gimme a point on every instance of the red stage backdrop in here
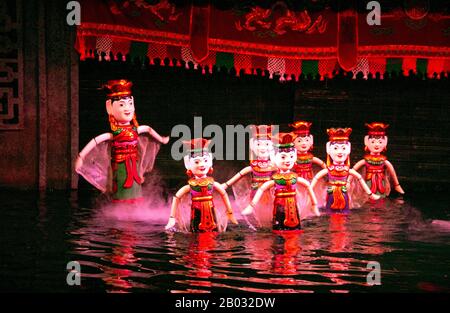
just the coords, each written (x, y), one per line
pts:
(275, 38)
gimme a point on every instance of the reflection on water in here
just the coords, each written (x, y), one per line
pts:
(330, 255)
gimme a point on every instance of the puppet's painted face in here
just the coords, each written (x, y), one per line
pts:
(122, 109)
(338, 151)
(199, 165)
(376, 144)
(303, 143)
(285, 160)
(261, 148)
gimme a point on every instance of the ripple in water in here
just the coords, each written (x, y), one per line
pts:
(331, 255)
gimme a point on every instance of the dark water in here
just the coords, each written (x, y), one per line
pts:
(40, 234)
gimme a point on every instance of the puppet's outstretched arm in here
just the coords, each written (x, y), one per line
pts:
(175, 203)
(359, 164)
(392, 172)
(147, 129)
(311, 193)
(318, 176)
(226, 200)
(319, 162)
(235, 178)
(364, 185)
(91, 145)
(267, 185)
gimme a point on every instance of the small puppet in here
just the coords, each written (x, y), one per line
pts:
(377, 167)
(204, 217)
(116, 162)
(261, 167)
(247, 181)
(304, 144)
(286, 211)
(338, 171)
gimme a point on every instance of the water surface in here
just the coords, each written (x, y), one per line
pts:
(42, 233)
